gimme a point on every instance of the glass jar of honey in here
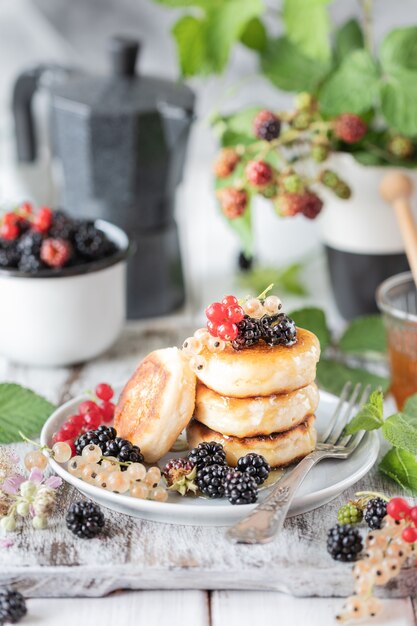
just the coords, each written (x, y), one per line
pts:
(397, 300)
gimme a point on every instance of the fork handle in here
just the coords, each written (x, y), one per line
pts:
(267, 519)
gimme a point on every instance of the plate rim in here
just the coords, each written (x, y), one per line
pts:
(224, 509)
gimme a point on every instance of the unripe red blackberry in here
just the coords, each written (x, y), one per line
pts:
(258, 173)
(349, 127)
(311, 205)
(225, 162)
(401, 147)
(266, 125)
(290, 204)
(233, 201)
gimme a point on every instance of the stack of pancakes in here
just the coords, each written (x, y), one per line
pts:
(261, 399)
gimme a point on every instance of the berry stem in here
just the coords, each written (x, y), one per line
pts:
(372, 494)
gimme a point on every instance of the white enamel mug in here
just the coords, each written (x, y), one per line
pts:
(60, 318)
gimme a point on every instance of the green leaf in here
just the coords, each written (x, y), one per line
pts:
(288, 68)
(401, 466)
(348, 37)
(286, 279)
(399, 49)
(307, 26)
(21, 410)
(410, 406)
(236, 128)
(332, 377)
(254, 35)
(398, 101)
(353, 87)
(370, 416)
(368, 158)
(315, 320)
(189, 34)
(401, 431)
(364, 335)
(225, 25)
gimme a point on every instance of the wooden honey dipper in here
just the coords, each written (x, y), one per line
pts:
(396, 188)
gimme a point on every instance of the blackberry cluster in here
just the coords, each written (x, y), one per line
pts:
(278, 330)
(240, 488)
(85, 519)
(100, 437)
(344, 543)
(12, 606)
(85, 241)
(374, 513)
(207, 453)
(110, 444)
(254, 465)
(250, 333)
(349, 514)
(210, 480)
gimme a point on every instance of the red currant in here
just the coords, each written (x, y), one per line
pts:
(413, 514)
(216, 312)
(60, 436)
(92, 420)
(104, 391)
(43, 220)
(69, 430)
(227, 331)
(409, 534)
(235, 314)
(212, 328)
(398, 508)
(107, 409)
(88, 406)
(229, 301)
(26, 208)
(10, 218)
(77, 420)
(9, 231)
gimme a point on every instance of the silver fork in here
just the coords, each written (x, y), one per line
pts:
(267, 519)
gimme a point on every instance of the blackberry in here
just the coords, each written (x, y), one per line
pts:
(124, 451)
(9, 256)
(99, 437)
(344, 543)
(85, 519)
(30, 244)
(349, 514)
(62, 226)
(12, 606)
(249, 333)
(240, 488)
(210, 480)
(180, 475)
(374, 513)
(207, 453)
(278, 330)
(30, 263)
(256, 466)
(90, 242)
(266, 125)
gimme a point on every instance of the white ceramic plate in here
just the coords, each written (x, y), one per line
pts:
(325, 481)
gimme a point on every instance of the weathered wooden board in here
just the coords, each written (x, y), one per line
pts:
(136, 554)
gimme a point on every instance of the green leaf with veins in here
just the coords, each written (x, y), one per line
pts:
(313, 319)
(370, 416)
(353, 87)
(21, 409)
(308, 26)
(398, 100)
(348, 37)
(254, 36)
(401, 431)
(401, 466)
(364, 335)
(332, 376)
(410, 406)
(285, 65)
(399, 49)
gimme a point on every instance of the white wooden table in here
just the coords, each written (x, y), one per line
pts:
(147, 557)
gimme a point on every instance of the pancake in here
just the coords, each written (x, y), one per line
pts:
(261, 370)
(249, 417)
(157, 403)
(279, 449)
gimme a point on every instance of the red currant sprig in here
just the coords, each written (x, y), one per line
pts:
(399, 510)
(223, 317)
